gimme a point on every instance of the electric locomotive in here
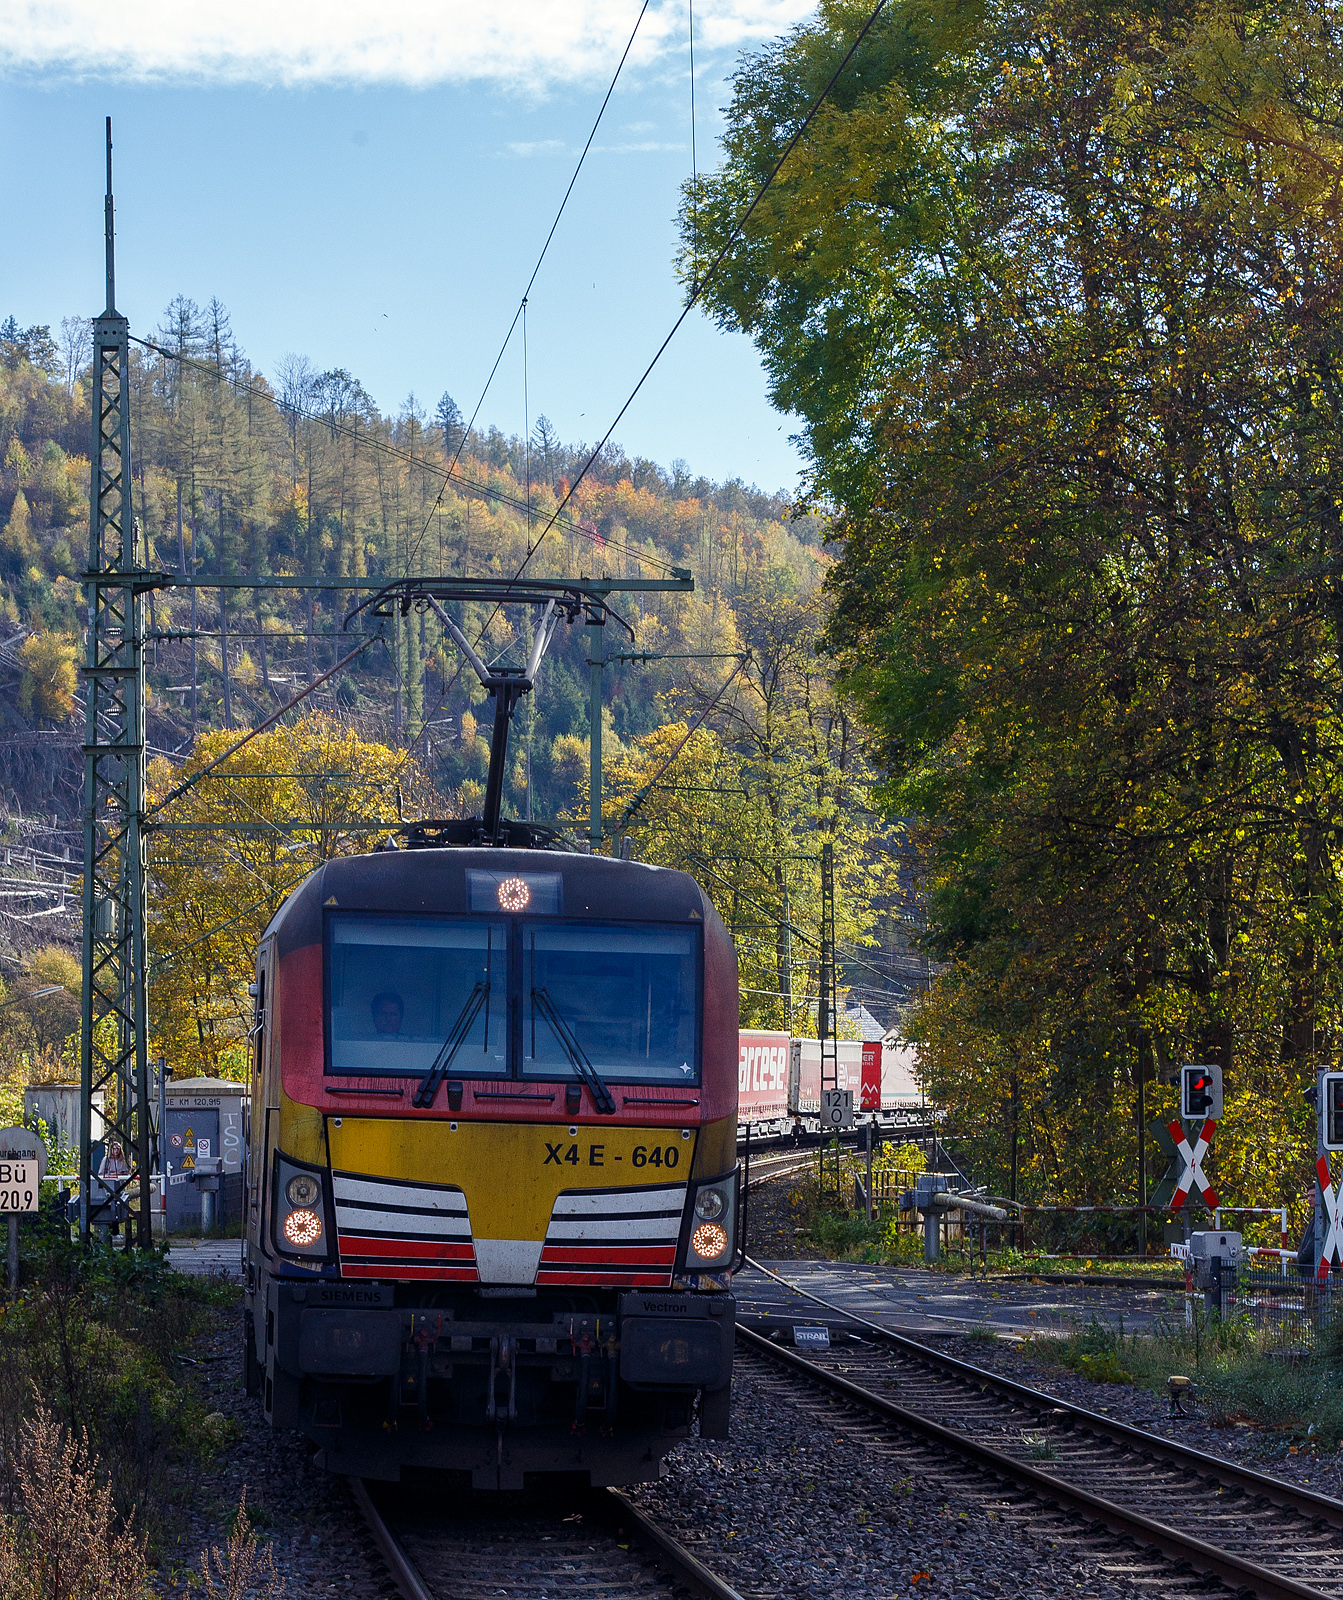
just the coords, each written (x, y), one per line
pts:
(492, 1183)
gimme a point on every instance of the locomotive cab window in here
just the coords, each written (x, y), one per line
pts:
(625, 995)
(400, 987)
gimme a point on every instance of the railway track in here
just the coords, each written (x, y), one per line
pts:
(450, 1544)
(1256, 1534)
(763, 1168)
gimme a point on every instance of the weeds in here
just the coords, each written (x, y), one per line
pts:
(66, 1541)
(1240, 1372)
(95, 1333)
(241, 1568)
(1039, 1447)
(1103, 1369)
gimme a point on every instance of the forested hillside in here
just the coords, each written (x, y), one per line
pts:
(300, 476)
(230, 482)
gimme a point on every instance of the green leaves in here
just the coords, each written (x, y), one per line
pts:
(1056, 294)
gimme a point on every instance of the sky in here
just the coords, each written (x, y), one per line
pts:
(372, 191)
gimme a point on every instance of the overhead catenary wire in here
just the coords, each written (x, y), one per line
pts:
(261, 727)
(694, 151)
(531, 282)
(698, 288)
(644, 792)
(449, 473)
(700, 284)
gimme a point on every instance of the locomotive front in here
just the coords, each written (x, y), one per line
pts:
(492, 1186)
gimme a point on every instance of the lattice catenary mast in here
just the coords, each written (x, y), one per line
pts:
(113, 1038)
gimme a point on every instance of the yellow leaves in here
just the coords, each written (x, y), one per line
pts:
(47, 689)
(256, 826)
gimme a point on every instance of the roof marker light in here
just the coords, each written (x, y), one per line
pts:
(514, 894)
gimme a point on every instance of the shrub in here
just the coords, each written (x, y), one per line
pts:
(66, 1541)
(241, 1569)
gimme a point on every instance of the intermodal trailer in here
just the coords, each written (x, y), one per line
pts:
(762, 1078)
(880, 1073)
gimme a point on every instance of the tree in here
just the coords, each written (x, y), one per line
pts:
(213, 892)
(747, 805)
(39, 1012)
(76, 347)
(33, 345)
(448, 416)
(47, 688)
(1056, 294)
(549, 454)
(18, 543)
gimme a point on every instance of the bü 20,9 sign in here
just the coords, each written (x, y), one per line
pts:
(23, 1165)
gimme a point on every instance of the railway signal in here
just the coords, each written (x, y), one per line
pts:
(1192, 1175)
(1201, 1093)
(1330, 1100)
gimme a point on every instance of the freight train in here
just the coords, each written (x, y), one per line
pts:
(492, 1185)
(779, 1080)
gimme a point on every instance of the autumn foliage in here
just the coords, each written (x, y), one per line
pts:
(1057, 290)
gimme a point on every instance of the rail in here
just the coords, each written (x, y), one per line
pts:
(686, 1573)
(1200, 1482)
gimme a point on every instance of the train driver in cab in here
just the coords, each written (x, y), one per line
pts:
(388, 1011)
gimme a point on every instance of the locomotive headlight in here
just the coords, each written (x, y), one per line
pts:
(709, 1241)
(303, 1227)
(304, 1190)
(300, 1198)
(713, 1224)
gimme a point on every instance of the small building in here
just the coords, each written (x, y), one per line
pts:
(864, 1024)
(206, 1122)
(58, 1106)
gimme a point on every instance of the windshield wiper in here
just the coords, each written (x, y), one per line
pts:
(466, 1018)
(601, 1095)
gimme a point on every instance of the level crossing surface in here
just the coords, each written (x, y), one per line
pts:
(905, 1299)
(917, 1300)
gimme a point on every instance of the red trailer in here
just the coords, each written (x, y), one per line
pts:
(762, 1077)
(880, 1073)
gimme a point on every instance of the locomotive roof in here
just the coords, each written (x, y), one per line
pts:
(434, 881)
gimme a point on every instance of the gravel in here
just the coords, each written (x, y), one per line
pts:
(322, 1549)
(774, 1222)
(806, 1501)
(1261, 1449)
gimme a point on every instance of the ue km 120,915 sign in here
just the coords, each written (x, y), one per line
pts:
(23, 1165)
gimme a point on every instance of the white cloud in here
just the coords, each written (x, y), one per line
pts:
(535, 147)
(416, 43)
(637, 148)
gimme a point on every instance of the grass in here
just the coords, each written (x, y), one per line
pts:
(1239, 1371)
(99, 1334)
(839, 1233)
